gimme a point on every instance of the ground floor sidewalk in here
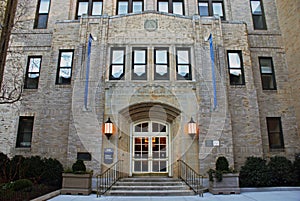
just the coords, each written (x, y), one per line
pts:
(244, 196)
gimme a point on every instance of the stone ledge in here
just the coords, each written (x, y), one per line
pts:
(47, 196)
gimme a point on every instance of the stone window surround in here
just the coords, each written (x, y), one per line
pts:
(150, 63)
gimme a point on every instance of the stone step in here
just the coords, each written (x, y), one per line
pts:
(152, 193)
(150, 186)
(176, 187)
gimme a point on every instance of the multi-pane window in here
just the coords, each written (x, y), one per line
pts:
(64, 70)
(139, 64)
(258, 17)
(117, 64)
(267, 73)
(89, 7)
(211, 8)
(24, 132)
(275, 133)
(129, 6)
(42, 14)
(161, 64)
(183, 64)
(33, 72)
(171, 6)
(235, 65)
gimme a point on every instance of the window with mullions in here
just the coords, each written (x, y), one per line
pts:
(24, 132)
(171, 6)
(89, 7)
(129, 6)
(267, 73)
(64, 70)
(117, 64)
(211, 8)
(275, 133)
(183, 64)
(33, 72)
(139, 64)
(41, 19)
(161, 64)
(235, 65)
(258, 16)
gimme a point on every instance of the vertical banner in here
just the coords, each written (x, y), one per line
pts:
(87, 73)
(212, 58)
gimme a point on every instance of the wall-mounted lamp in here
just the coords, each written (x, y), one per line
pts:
(108, 128)
(192, 128)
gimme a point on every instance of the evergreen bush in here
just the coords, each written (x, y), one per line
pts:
(222, 164)
(254, 173)
(297, 169)
(79, 167)
(22, 185)
(282, 171)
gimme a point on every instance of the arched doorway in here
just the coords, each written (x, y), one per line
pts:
(150, 150)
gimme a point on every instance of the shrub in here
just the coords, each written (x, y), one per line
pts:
(254, 173)
(222, 164)
(22, 185)
(34, 168)
(297, 169)
(79, 167)
(4, 167)
(282, 171)
(52, 172)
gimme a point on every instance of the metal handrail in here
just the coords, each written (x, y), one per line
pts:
(109, 177)
(190, 177)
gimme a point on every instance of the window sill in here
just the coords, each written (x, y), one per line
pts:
(23, 149)
(277, 150)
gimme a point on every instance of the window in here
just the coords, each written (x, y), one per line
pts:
(33, 72)
(275, 133)
(129, 6)
(64, 70)
(235, 65)
(267, 73)
(117, 66)
(211, 8)
(89, 7)
(25, 132)
(258, 17)
(139, 64)
(161, 64)
(41, 19)
(183, 64)
(171, 6)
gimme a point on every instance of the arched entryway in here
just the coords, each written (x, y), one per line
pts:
(150, 137)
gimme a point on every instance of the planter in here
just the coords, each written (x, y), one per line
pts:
(228, 185)
(76, 184)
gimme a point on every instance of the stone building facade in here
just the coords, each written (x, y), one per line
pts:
(149, 67)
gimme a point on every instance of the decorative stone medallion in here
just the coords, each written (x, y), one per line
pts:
(150, 25)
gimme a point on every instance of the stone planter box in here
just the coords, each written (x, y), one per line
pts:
(76, 184)
(228, 185)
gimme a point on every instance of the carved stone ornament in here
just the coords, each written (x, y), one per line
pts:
(150, 25)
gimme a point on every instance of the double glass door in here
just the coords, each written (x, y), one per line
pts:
(150, 149)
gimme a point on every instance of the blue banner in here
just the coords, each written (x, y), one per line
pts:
(86, 89)
(212, 58)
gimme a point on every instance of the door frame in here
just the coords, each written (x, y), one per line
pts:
(169, 147)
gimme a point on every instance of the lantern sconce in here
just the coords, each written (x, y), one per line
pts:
(108, 128)
(192, 128)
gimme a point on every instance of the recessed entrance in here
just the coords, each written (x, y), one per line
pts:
(150, 148)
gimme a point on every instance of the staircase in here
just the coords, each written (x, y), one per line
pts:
(150, 186)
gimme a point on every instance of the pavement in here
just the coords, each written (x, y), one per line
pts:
(293, 195)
